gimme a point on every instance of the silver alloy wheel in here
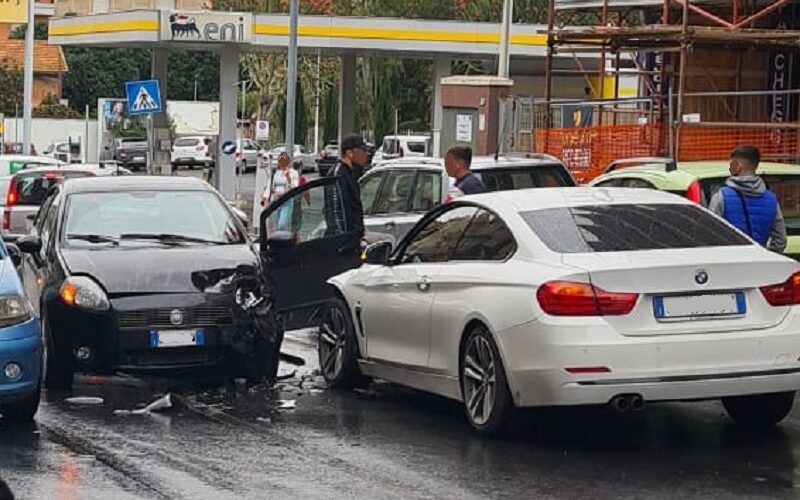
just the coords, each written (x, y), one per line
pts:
(332, 337)
(479, 379)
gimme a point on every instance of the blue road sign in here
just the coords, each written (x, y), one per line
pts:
(229, 147)
(144, 97)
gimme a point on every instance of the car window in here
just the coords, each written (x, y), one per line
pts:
(309, 214)
(486, 238)
(609, 183)
(506, 179)
(787, 190)
(416, 147)
(394, 194)
(63, 148)
(369, 186)
(38, 222)
(427, 191)
(391, 146)
(186, 142)
(32, 187)
(436, 240)
(48, 223)
(630, 227)
(636, 183)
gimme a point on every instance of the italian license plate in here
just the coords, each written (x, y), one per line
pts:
(177, 338)
(699, 306)
(138, 158)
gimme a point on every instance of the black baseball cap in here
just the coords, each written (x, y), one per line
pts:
(353, 141)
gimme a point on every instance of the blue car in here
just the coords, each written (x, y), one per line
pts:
(20, 344)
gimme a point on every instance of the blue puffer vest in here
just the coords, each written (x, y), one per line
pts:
(761, 209)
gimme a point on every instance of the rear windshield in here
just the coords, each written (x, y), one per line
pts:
(33, 187)
(132, 140)
(417, 147)
(623, 228)
(507, 179)
(182, 143)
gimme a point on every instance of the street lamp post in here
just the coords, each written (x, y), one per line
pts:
(291, 77)
(505, 38)
(27, 110)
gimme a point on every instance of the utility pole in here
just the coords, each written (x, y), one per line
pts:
(505, 38)
(291, 78)
(195, 88)
(27, 110)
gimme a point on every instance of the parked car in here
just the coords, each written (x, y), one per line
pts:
(192, 151)
(132, 152)
(11, 164)
(699, 181)
(20, 344)
(125, 278)
(301, 158)
(328, 158)
(15, 148)
(247, 154)
(64, 152)
(403, 146)
(546, 298)
(24, 192)
(397, 193)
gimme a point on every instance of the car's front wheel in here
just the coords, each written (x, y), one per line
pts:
(58, 368)
(484, 387)
(337, 347)
(760, 410)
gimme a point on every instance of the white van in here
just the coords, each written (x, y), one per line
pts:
(403, 146)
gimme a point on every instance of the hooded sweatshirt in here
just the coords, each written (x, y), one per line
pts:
(753, 186)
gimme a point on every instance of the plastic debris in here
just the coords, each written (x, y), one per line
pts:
(287, 404)
(160, 404)
(264, 420)
(84, 400)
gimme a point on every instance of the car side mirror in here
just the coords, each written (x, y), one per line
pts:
(378, 253)
(15, 254)
(29, 244)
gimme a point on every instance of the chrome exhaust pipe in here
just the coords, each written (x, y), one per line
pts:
(637, 402)
(620, 404)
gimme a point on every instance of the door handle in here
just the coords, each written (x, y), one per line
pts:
(424, 284)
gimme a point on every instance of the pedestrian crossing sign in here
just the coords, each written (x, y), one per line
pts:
(144, 97)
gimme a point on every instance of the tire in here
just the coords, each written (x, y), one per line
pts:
(759, 411)
(484, 387)
(23, 410)
(337, 348)
(59, 371)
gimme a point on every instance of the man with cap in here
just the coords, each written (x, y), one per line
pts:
(352, 157)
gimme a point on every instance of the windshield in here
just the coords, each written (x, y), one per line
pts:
(32, 187)
(507, 179)
(149, 218)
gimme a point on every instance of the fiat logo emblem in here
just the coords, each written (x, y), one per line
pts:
(176, 317)
(701, 277)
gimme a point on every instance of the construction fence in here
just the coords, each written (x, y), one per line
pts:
(589, 135)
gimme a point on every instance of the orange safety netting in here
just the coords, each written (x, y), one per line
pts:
(716, 143)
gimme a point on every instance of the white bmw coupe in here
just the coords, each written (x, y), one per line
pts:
(571, 296)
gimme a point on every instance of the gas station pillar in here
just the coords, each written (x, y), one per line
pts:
(225, 174)
(441, 69)
(161, 131)
(347, 96)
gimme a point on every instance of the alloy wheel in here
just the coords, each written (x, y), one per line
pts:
(332, 338)
(479, 378)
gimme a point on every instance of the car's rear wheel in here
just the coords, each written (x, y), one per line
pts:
(760, 410)
(23, 410)
(58, 368)
(484, 388)
(337, 347)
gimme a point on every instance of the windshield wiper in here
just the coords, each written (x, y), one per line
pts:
(94, 238)
(168, 238)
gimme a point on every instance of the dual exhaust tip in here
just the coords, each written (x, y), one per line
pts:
(623, 403)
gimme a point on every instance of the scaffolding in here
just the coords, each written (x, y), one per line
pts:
(660, 36)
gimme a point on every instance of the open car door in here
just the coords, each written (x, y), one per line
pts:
(305, 239)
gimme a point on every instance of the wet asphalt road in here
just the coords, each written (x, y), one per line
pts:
(387, 442)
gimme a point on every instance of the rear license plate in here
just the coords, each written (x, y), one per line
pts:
(699, 306)
(177, 338)
(138, 158)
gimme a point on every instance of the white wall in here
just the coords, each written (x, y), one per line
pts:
(49, 130)
(194, 118)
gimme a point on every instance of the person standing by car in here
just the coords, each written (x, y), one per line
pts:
(352, 158)
(283, 180)
(747, 204)
(457, 163)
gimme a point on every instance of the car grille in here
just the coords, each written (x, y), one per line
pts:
(160, 318)
(172, 356)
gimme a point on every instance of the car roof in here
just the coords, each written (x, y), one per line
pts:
(524, 200)
(478, 163)
(29, 159)
(134, 183)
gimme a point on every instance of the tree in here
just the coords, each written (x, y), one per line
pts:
(51, 107)
(95, 73)
(187, 67)
(11, 96)
(39, 31)
(330, 119)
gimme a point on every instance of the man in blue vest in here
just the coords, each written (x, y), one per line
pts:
(747, 204)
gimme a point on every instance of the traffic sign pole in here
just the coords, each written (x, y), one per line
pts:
(27, 110)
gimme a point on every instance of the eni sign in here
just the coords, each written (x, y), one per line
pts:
(207, 27)
(14, 11)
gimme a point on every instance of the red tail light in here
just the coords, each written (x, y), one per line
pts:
(13, 196)
(564, 298)
(52, 175)
(693, 193)
(402, 153)
(7, 219)
(784, 294)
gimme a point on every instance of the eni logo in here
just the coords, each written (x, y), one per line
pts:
(195, 27)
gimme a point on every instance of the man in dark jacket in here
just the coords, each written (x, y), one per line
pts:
(352, 157)
(747, 204)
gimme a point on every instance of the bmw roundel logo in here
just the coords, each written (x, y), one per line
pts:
(701, 277)
(176, 317)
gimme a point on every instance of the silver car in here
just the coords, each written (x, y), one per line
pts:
(396, 194)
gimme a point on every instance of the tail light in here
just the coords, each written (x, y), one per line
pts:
(13, 195)
(237, 156)
(784, 294)
(402, 153)
(7, 219)
(693, 193)
(565, 298)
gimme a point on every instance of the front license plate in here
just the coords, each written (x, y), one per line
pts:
(699, 306)
(177, 338)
